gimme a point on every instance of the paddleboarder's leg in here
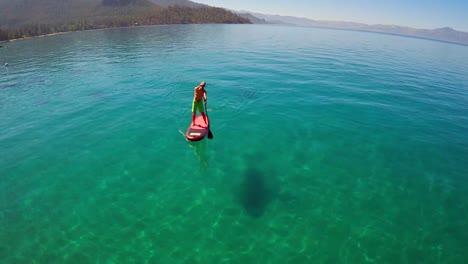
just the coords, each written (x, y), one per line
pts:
(204, 117)
(194, 111)
(199, 106)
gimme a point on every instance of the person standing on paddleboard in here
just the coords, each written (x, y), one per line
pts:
(199, 93)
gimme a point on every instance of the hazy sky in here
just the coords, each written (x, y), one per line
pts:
(413, 13)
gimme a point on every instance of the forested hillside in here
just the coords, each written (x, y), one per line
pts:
(28, 18)
(125, 2)
(186, 3)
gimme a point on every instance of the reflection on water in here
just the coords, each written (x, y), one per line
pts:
(199, 149)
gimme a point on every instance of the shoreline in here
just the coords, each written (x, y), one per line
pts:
(101, 28)
(39, 36)
(332, 28)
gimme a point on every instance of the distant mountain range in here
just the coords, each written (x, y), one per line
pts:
(446, 34)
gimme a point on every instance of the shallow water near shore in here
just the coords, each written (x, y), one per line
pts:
(329, 146)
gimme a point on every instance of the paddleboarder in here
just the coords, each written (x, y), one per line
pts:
(199, 94)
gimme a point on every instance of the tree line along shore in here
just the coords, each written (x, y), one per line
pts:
(169, 15)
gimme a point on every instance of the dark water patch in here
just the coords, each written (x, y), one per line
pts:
(256, 193)
(42, 102)
(249, 94)
(7, 85)
(97, 94)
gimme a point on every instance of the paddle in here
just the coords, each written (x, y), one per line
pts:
(210, 135)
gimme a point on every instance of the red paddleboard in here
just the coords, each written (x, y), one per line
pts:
(199, 130)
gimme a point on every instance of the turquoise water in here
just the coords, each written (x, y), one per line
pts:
(329, 147)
